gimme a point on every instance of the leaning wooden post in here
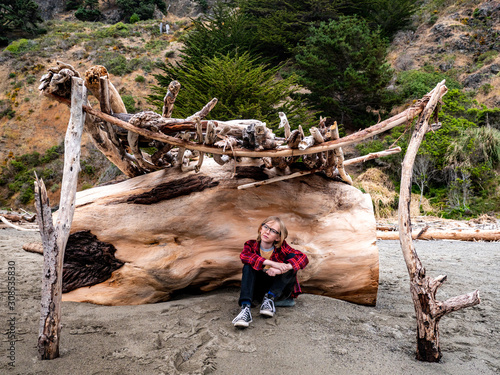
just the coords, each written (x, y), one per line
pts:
(423, 288)
(54, 239)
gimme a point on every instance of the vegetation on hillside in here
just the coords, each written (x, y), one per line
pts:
(343, 65)
(458, 165)
(18, 15)
(304, 58)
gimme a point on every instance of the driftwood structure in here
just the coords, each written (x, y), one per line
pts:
(120, 136)
(344, 255)
(423, 288)
(177, 226)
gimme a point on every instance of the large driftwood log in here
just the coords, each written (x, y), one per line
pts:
(184, 230)
(423, 289)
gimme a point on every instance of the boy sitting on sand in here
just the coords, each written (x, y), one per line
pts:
(269, 271)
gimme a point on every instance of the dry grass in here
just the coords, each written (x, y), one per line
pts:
(384, 197)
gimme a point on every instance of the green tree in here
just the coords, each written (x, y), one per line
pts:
(18, 15)
(390, 15)
(279, 25)
(343, 64)
(143, 8)
(89, 11)
(245, 90)
(223, 32)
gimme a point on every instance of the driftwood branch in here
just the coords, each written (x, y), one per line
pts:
(340, 156)
(373, 155)
(282, 151)
(459, 235)
(423, 289)
(169, 99)
(7, 222)
(54, 238)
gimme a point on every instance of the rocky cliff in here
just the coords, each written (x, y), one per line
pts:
(50, 8)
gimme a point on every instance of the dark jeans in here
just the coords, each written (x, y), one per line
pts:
(254, 284)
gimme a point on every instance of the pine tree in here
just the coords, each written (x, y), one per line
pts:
(18, 15)
(343, 64)
(245, 90)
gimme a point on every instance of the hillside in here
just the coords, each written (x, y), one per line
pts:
(460, 39)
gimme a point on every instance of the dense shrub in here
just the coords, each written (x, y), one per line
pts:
(142, 8)
(129, 102)
(118, 30)
(343, 64)
(413, 84)
(89, 11)
(18, 175)
(21, 46)
(134, 18)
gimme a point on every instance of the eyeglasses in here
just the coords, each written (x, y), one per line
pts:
(266, 227)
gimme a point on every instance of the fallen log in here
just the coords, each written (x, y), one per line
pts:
(8, 223)
(459, 235)
(33, 247)
(185, 230)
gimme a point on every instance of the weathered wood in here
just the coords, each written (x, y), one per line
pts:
(92, 82)
(459, 235)
(340, 155)
(167, 247)
(54, 239)
(284, 124)
(7, 222)
(204, 111)
(18, 217)
(423, 289)
(50, 328)
(169, 99)
(33, 247)
(282, 151)
(361, 159)
(104, 102)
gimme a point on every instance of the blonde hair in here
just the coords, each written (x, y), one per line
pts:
(283, 230)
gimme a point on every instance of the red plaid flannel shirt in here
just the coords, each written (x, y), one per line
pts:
(251, 255)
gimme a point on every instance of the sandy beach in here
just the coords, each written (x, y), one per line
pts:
(193, 334)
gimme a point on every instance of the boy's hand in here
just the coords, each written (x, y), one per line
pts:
(273, 271)
(282, 267)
